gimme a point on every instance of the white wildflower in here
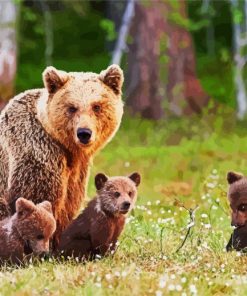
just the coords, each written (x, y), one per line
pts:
(193, 289)
(108, 276)
(183, 280)
(178, 288)
(171, 287)
(207, 226)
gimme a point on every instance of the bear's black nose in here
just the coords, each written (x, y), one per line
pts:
(84, 135)
(125, 205)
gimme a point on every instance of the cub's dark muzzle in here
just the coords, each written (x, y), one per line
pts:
(125, 205)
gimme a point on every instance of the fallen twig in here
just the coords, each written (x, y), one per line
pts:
(189, 226)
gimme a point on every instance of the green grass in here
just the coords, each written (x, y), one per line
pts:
(185, 160)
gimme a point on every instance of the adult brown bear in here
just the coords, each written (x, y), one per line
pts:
(49, 136)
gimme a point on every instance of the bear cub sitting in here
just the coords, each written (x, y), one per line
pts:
(96, 230)
(26, 232)
(237, 195)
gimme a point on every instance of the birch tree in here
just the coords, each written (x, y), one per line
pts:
(210, 38)
(48, 28)
(239, 43)
(120, 46)
(8, 48)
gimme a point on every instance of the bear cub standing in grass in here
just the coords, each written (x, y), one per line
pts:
(96, 230)
(237, 195)
(27, 232)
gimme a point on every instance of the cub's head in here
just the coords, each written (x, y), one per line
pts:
(237, 195)
(83, 110)
(116, 195)
(35, 224)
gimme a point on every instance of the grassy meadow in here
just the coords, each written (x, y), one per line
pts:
(183, 164)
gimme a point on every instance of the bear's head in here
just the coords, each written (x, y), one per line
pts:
(82, 110)
(237, 195)
(35, 225)
(116, 195)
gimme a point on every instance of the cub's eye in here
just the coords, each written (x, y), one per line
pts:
(117, 194)
(130, 193)
(40, 237)
(96, 108)
(72, 109)
(242, 208)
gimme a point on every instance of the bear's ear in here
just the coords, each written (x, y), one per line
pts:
(113, 77)
(24, 207)
(54, 79)
(233, 177)
(136, 178)
(46, 205)
(100, 180)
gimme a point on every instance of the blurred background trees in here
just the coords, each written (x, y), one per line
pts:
(8, 48)
(178, 56)
(161, 62)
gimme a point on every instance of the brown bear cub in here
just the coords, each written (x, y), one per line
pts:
(96, 230)
(237, 195)
(26, 232)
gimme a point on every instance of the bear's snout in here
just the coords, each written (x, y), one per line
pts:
(84, 135)
(125, 206)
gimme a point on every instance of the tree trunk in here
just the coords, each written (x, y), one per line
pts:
(8, 16)
(120, 45)
(161, 62)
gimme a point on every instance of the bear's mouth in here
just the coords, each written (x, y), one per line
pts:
(122, 211)
(27, 248)
(85, 145)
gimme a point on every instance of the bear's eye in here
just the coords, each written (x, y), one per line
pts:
(72, 109)
(242, 208)
(40, 237)
(96, 108)
(117, 194)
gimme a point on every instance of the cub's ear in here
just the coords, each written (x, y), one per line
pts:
(113, 77)
(54, 79)
(100, 180)
(233, 177)
(46, 205)
(24, 207)
(136, 178)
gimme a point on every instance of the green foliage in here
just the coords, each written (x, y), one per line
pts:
(216, 75)
(79, 42)
(109, 27)
(219, 15)
(237, 16)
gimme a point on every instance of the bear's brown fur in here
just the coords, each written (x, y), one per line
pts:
(48, 137)
(4, 209)
(237, 195)
(27, 231)
(97, 228)
(238, 239)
